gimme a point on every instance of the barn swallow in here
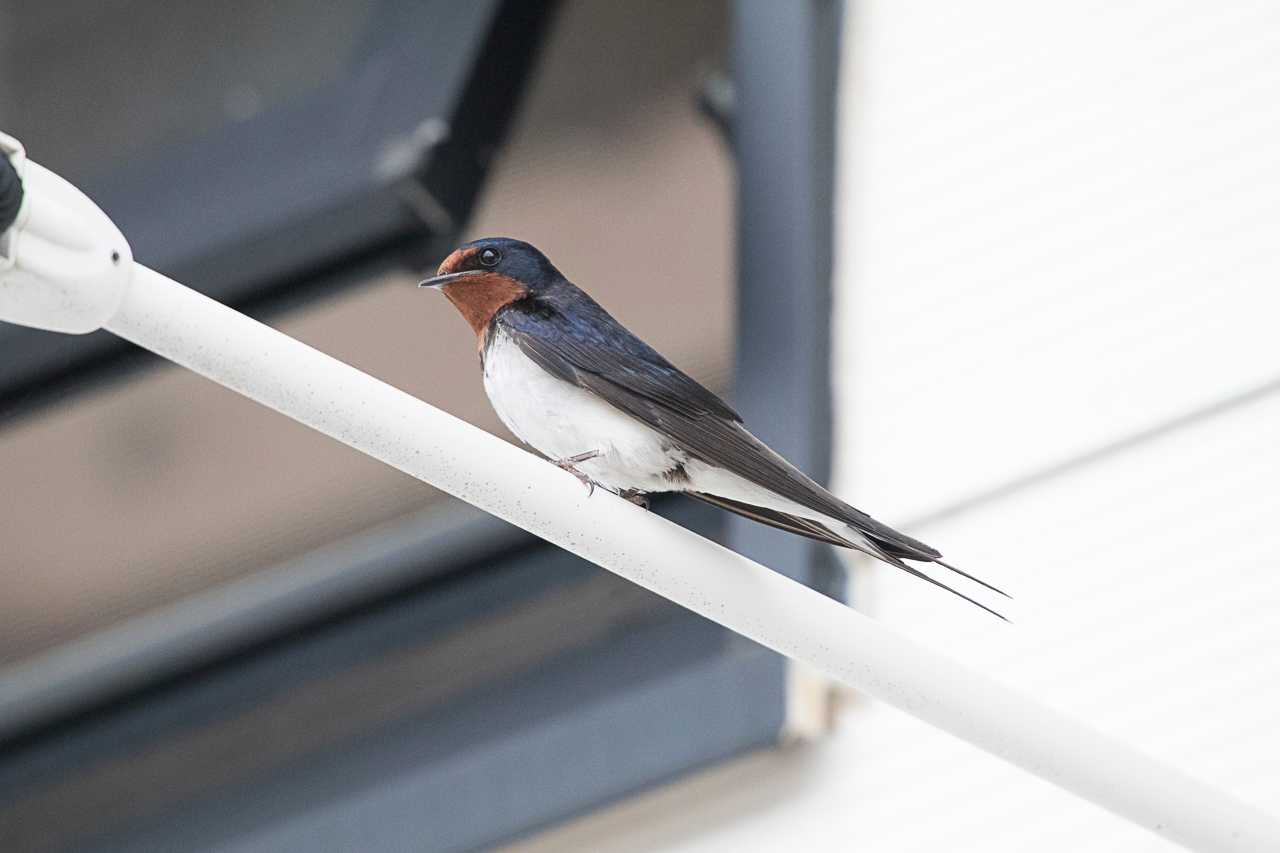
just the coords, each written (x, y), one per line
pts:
(570, 381)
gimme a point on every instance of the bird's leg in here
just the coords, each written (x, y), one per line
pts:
(637, 497)
(569, 463)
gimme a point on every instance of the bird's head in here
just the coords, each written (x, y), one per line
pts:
(483, 276)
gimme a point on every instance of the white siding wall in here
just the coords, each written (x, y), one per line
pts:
(1059, 228)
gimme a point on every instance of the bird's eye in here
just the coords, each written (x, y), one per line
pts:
(490, 257)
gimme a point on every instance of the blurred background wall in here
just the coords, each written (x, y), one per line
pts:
(1058, 360)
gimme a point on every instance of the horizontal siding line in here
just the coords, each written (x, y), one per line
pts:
(1035, 478)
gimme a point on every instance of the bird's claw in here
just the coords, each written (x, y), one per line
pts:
(569, 463)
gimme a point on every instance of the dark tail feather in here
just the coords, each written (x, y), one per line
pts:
(813, 530)
(965, 574)
(880, 554)
(923, 576)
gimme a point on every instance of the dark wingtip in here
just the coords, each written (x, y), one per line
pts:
(965, 574)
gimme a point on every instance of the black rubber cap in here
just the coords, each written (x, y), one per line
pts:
(10, 194)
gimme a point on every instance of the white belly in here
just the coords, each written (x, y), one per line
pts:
(560, 420)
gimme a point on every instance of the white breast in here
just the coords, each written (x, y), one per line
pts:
(561, 420)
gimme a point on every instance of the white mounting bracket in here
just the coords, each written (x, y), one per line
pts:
(64, 266)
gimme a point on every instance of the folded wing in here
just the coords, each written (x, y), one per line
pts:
(595, 352)
(590, 349)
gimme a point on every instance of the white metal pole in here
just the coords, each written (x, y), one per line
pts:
(406, 433)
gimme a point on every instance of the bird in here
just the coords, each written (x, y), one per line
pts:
(574, 384)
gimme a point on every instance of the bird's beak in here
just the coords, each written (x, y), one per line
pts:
(435, 282)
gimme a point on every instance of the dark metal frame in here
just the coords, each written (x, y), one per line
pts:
(785, 68)
(234, 214)
(420, 689)
(496, 692)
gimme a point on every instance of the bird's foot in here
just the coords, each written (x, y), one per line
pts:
(637, 497)
(569, 463)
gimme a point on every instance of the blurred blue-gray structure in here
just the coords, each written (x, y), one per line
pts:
(243, 638)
